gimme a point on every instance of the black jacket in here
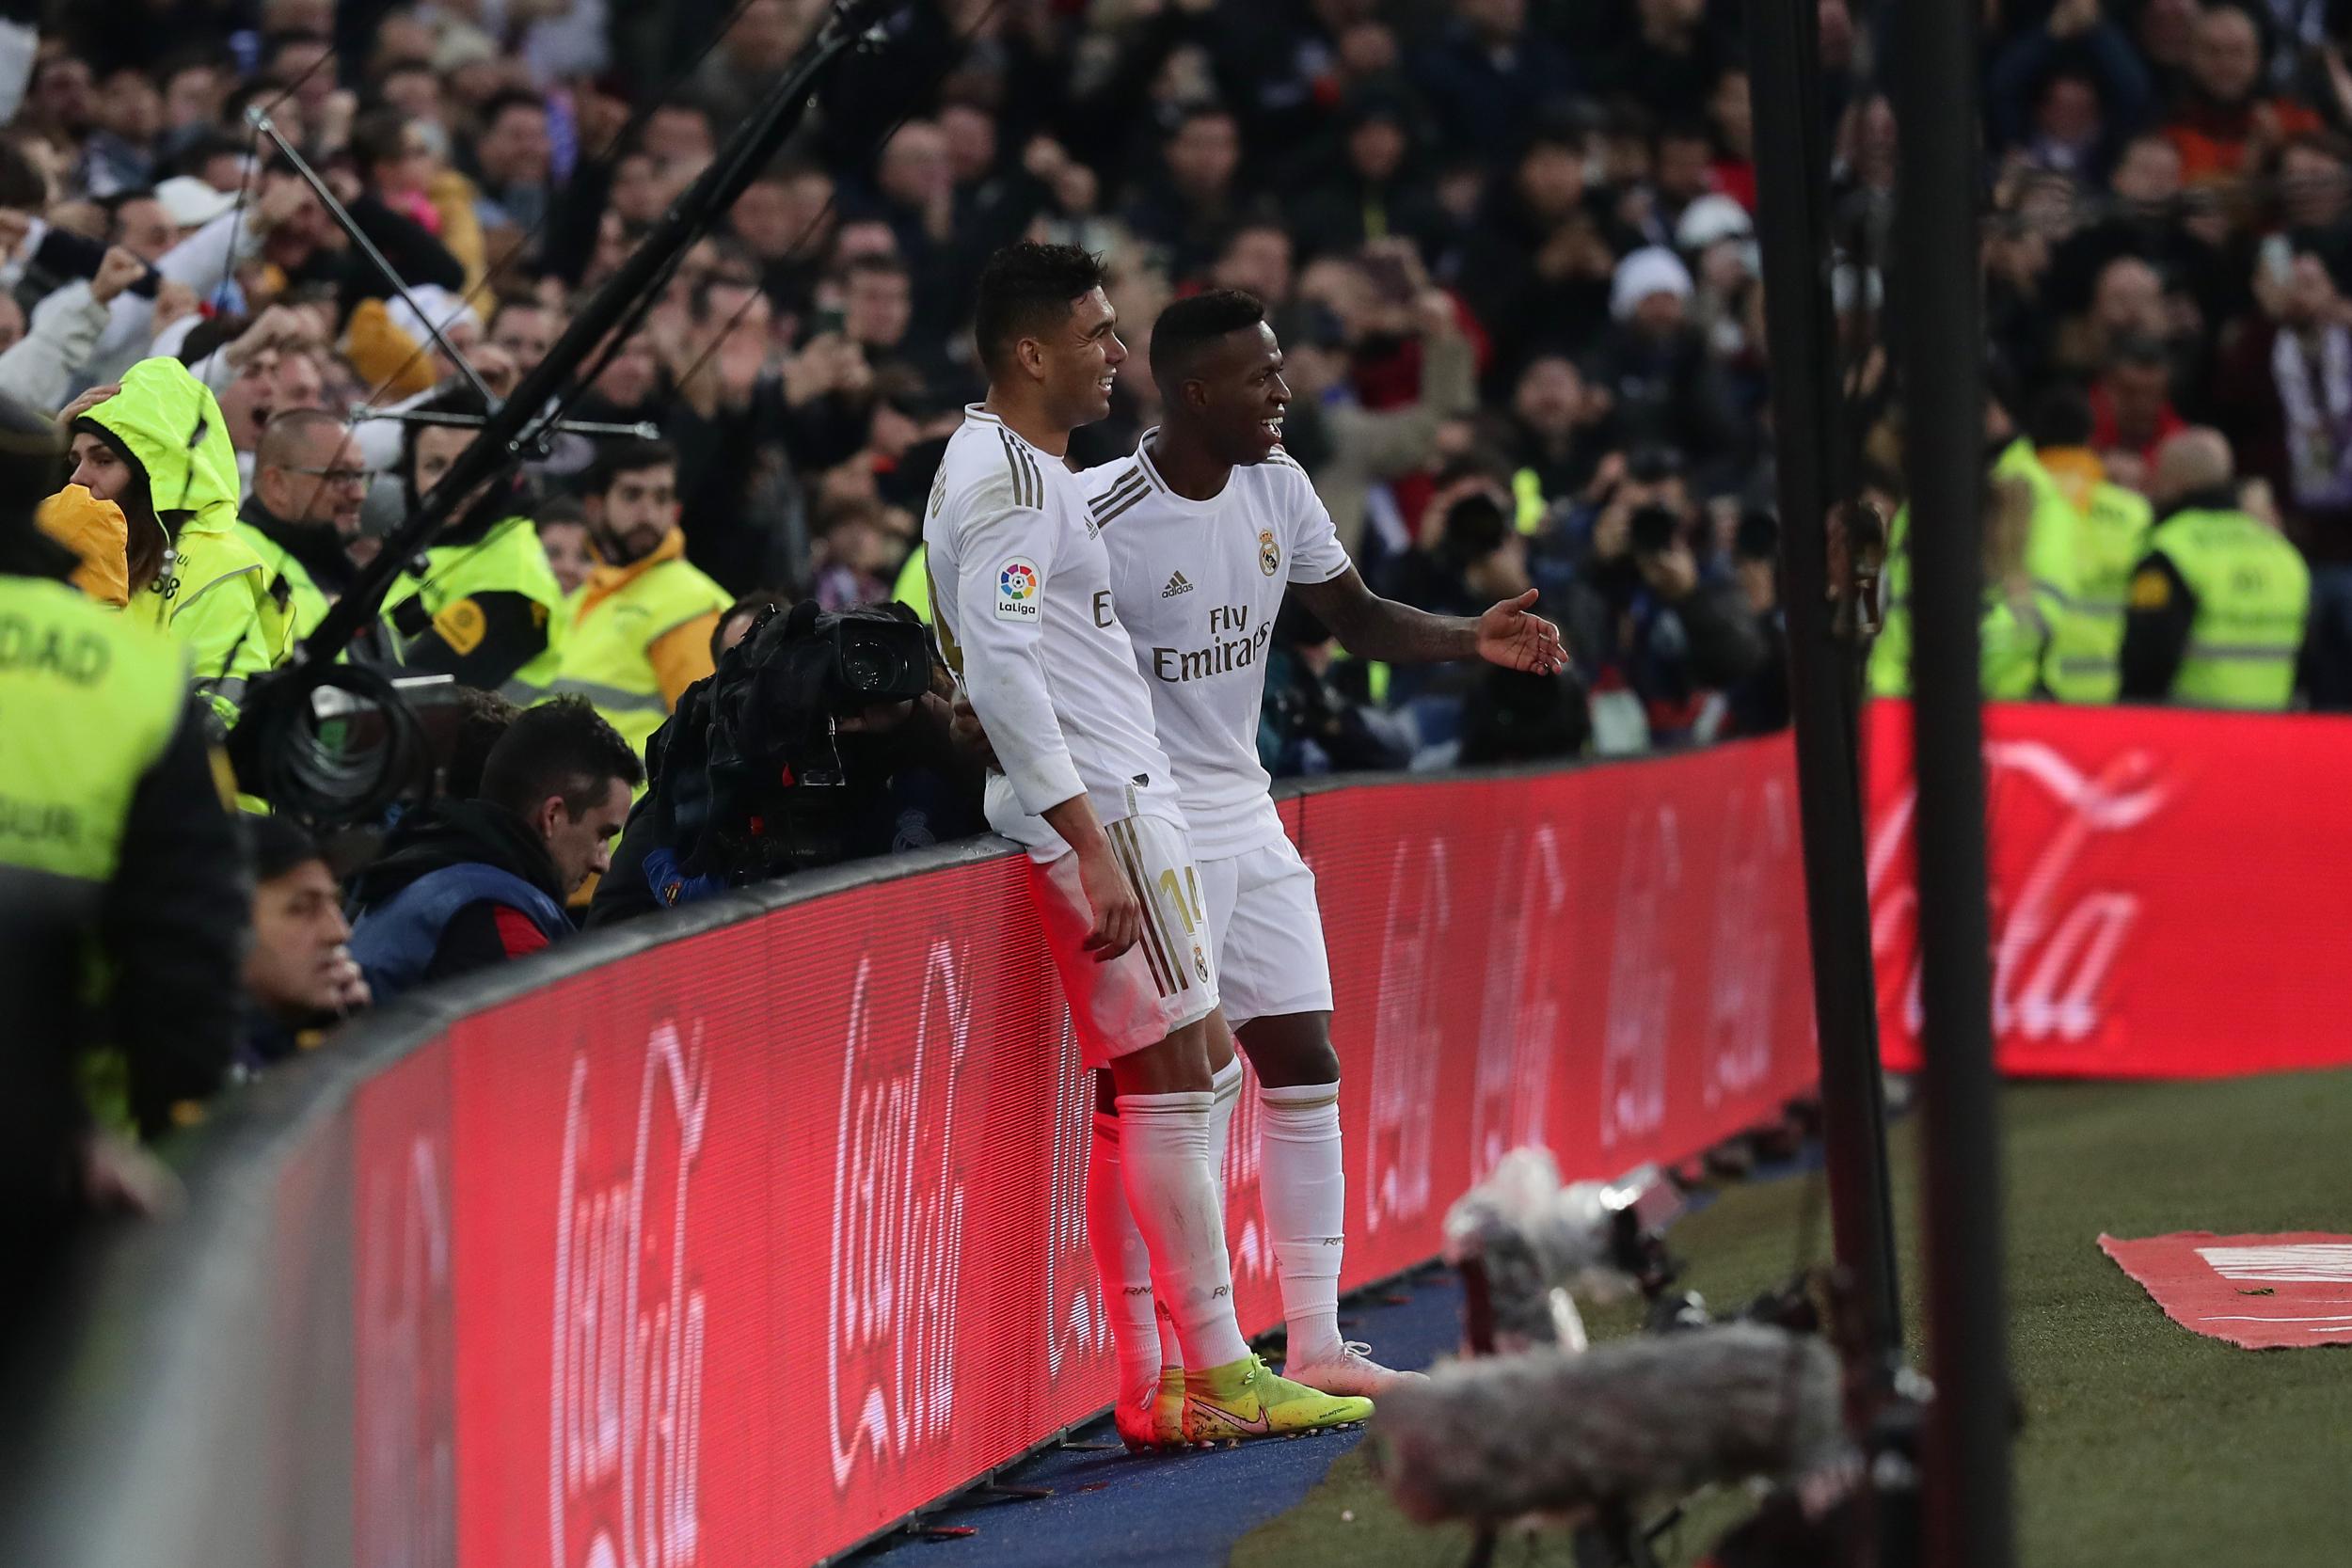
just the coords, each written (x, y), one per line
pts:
(453, 833)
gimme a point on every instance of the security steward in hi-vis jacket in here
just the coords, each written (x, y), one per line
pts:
(308, 483)
(122, 904)
(157, 447)
(2218, 608)
(638, 632)
(486, 607)
(2034, 635)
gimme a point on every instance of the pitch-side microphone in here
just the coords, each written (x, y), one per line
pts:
(1553, 1434)
(1541, 1244)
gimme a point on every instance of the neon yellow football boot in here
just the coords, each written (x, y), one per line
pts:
(1244, 1399)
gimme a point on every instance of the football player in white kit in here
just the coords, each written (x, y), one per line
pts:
(1021, 603)
(1207, 524)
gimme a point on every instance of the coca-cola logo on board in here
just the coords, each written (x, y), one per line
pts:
(1745, 977)
(2056, 932)
(1077, 1323)
(1641, 980)
(1408, 1034)
(408, 1486)
(1519, 1022)
(897, 1225)
(1246, 1243)
(624, 1445)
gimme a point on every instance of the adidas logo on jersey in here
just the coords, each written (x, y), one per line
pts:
(1176, 584)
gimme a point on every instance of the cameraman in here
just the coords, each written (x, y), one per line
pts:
(1305, 726)
(1646, 608)
(821, 739)
(1471, 556)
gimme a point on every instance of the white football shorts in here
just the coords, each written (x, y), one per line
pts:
(1270, 959)
(1165, 981)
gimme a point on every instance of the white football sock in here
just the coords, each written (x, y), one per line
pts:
(1123, 1264)
(1304, 1189)
(1226, 1085)
(1171, 1191)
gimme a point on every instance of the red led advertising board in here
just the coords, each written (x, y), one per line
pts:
(734, 1250)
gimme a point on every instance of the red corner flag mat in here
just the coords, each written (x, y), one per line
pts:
(2258, 1292)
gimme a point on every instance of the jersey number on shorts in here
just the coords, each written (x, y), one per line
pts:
(1176, 895)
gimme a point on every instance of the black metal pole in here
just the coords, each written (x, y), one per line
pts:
(507, 432)
(1940, 336)
(1793, 219)
(259, 118)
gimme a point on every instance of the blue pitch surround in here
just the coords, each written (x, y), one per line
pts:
(1176, 1511)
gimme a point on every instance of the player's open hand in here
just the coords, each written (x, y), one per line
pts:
(1117, 913)
(1509, 636)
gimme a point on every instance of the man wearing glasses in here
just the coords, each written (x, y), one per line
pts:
(303, 511)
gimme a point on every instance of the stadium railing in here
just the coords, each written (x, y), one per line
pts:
(733, 1237)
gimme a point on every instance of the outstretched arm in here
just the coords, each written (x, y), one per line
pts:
(1370, 627)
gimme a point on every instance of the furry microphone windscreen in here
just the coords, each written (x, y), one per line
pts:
(1550, 1433)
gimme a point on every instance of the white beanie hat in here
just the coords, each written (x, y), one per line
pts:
(443, 308)
(1711, 218)
(1653, 270)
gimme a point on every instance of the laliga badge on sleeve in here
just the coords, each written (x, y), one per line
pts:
(1019, 590)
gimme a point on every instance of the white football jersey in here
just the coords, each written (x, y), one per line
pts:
(1198, 585)
(1020, 604)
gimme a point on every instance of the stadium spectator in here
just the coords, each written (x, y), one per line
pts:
(2131, 403)
(1358, 449)
(394, 208)
(62, 333)
(466, 883)
(562, 525)
(1373, 190)
(526, 329)
(2069, 92)
(300, 976)
(1663, 382)
(1488, 75)
(511, 165)
(1197, 195)
(2223, 119)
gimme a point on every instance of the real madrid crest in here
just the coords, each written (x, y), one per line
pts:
(1269, 553)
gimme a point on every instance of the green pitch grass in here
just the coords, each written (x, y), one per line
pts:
(2145, 1446)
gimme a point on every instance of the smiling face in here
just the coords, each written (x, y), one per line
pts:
(1233, 396)
(1077, 361)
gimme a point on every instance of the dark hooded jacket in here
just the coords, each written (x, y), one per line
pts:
(462, 885)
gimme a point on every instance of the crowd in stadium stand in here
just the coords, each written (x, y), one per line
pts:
(1509, 249)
